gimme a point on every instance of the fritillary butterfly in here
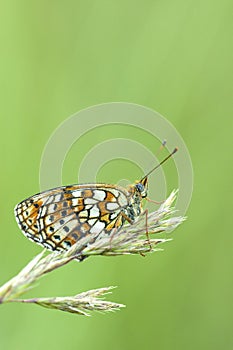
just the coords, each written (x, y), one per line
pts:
(58, 218)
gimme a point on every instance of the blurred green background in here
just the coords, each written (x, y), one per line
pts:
(175, 57)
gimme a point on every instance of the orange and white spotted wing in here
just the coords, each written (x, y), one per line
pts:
(58, 218)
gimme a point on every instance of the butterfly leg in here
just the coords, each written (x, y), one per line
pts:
(147, 232)
(152, 201)
(126, 217)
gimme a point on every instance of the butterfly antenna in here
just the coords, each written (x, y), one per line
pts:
(163, 144)
(163, 161)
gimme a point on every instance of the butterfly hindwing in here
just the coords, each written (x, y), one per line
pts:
(58, 218)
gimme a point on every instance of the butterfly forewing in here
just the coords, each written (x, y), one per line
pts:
(58, 218)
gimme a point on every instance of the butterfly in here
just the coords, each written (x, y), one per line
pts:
(59, 217)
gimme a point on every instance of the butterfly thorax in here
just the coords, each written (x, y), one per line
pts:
(134, 209)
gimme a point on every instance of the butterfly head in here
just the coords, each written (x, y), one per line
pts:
(142, 187)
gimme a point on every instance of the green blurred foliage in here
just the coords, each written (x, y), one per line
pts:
(175, 57)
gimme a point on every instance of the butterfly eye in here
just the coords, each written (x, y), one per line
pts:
(139, 187)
